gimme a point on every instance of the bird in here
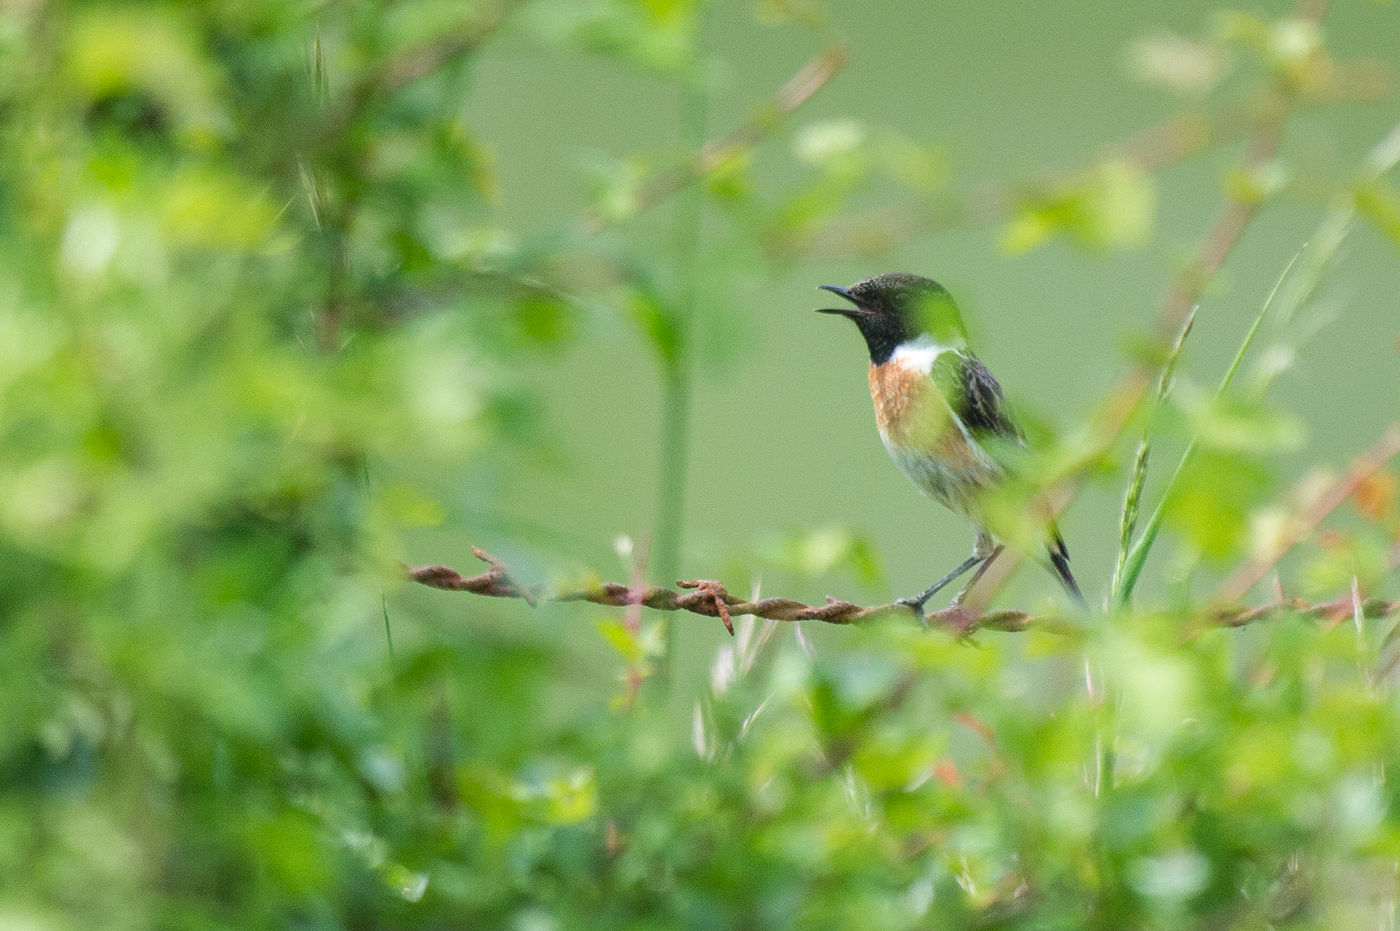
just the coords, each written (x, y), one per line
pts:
(940, 412)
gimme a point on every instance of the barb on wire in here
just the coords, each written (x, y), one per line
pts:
(709, 598)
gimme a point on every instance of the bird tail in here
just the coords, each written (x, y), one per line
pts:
(1059, 561)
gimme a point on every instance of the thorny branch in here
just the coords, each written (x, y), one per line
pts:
(709, 598)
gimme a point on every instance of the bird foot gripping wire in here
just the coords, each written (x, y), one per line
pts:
(958, 620)
(955, 618)
(916, 603)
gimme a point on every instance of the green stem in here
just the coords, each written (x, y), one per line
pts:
(1133, 499)
(675, 453)
(1137, 556)
(388, 628)
(1325, 243)
(678, 378)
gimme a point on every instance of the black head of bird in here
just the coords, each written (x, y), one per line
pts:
(893, 309)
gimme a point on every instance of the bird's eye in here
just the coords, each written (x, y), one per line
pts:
(902, 300)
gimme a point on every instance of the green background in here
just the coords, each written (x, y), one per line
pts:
(296, 294)
(783, 434)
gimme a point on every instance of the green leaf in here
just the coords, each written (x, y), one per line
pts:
(1179, 64)
(819, 552)
(151, 53)
(1379, 203)
(1213, 499)
(656, 321)
(833, 145)
(623, 640)
(211, 210)
(616, 185)
(1111, 206)
(657, 34)
(1236, 424)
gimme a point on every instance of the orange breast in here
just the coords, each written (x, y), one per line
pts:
(893, 388)
(923, 437)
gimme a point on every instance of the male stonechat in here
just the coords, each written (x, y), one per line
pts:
(940, 413)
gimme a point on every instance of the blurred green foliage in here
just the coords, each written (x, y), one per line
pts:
(258, 311)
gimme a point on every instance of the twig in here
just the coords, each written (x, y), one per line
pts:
(1175, 139)
(1229, 227)
(1162, 145)
(797, 91)
(709, 598)
(408, 66)
(1365, 465)
(1217, 245)
(1124, 399)
(1332, 611)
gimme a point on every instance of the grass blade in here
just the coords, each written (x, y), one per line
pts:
(1133, 498)
(1326, 242)
(1132, 562)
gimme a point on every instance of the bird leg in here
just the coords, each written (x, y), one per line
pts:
(983, 552)
(918, 601)
(977, 576)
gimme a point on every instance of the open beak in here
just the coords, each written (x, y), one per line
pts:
(839, 292)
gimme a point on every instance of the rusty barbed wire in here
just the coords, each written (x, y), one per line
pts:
(709, 598)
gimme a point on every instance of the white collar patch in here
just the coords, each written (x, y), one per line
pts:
(918, 353)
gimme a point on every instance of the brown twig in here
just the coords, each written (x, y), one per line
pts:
(1126, 398)
(408, 66)
(1331, 611)
(1172, 140)
(709, 598)
(1363, 467)
(1175, 139)
(800, 88)
(1229, 227)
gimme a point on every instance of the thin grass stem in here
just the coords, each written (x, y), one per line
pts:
(1325, 244)
(1132, 500)
(1137, 555)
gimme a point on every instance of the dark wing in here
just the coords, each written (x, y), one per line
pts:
(979, 403)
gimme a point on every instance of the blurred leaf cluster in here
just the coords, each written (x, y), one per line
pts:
(257, 299)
